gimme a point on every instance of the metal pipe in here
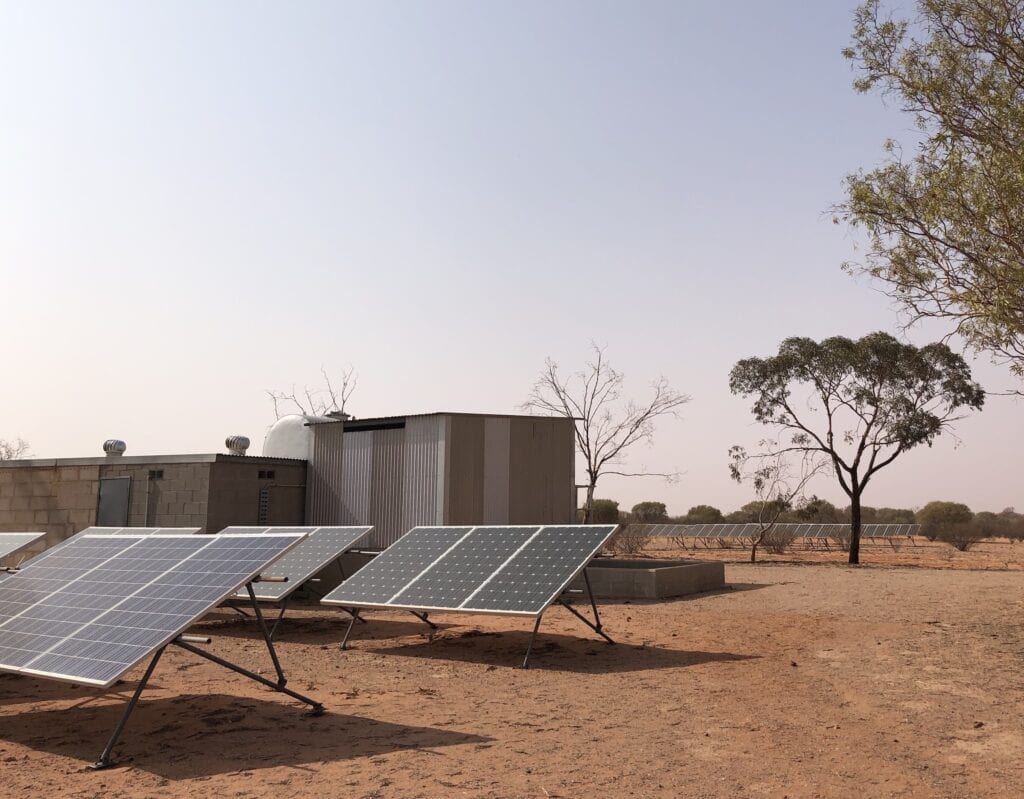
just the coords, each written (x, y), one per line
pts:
(195, 639)
(533, 636)
(318, 708)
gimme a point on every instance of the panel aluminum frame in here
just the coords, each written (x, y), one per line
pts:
(85, 617)
(338, 596)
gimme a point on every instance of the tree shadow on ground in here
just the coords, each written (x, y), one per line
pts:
(201, 735)
(552, 652)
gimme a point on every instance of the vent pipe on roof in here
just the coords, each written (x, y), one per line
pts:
(340, 415)
(114, 447)
(237, 445)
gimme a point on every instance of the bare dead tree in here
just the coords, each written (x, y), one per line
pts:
(778, 480)
(606, 425)
(13, 449)
(332, 397)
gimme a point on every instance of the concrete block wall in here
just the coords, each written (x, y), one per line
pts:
(180, 498)
(56, 500)
(235, 487)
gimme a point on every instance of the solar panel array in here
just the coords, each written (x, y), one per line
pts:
(802, 530)
(122, 531)
(12, 543)
(92, 609)
(321, 547)
(515, 570)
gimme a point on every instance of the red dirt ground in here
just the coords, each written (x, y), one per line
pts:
(806, 679)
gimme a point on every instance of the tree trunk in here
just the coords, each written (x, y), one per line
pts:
(588, 508)
(753, 552)
(855, 528)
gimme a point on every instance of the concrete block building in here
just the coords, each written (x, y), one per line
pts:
(392, 472)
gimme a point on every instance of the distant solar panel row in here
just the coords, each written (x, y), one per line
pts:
(509, 570)
(802, 530)
(92, 609)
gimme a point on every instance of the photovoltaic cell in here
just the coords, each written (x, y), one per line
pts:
(539, 573)
(398, 565)
(94, 609)
(453, 578)
(322, 547)
(511, 570)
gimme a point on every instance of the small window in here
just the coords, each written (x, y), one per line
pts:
(266, 474)
(156, 474)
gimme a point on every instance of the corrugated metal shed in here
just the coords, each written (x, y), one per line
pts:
(399, 472)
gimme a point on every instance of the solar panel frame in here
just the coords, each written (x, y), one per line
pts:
(94, 616)
(539, 529)
(13, 543)
(279, 592)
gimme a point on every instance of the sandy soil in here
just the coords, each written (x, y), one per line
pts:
(802, 680)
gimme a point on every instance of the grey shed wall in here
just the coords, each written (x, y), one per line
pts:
(442, 469)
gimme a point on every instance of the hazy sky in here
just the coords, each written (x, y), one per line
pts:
(201, 201)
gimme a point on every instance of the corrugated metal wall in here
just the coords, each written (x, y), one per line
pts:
(324, 476)
(442, 469)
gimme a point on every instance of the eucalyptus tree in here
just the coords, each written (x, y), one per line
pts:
(945, 225)
(859, 403)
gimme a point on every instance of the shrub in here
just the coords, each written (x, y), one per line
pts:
(962, 536)
(779, 539)
(629, 540)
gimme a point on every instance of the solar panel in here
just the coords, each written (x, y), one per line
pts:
(12, 543)
(136, 531)
(510, 570)
(322, 547)
(398, 565)
(98, 605)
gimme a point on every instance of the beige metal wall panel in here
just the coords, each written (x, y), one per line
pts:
(497, 432)
(357, 474)
(387, 486)
(465, 475)
(541, 471)
(325, 475)
(423, 472)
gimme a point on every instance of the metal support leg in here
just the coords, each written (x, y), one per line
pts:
(593, 625)
(284, 607)
(281, 679)
(348, 631)
(318, 708)
(423, 618)
(105, 761)
(533, 637)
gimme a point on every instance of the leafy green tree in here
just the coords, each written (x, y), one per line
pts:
(814, 510)
(605, 511)
(860, 403)
(937, 518)
(945, 225)
(703, 514)
(649, 513)
(894, 516)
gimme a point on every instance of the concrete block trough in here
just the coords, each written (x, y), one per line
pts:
(613, 578)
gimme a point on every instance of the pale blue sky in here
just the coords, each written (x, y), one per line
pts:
(200, 201)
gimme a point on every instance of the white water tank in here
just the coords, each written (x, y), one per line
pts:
(291, 437)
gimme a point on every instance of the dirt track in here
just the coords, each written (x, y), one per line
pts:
(805, 680)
